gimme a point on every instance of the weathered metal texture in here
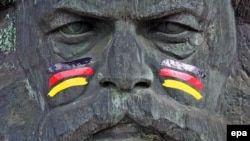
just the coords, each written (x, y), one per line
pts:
(124, 98)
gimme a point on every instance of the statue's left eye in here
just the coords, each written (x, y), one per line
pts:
(76, 28)
(169, 28)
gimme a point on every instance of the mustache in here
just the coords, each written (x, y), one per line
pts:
(89, 115)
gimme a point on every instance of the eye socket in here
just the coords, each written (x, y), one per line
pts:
(169, 28)
(76, 28)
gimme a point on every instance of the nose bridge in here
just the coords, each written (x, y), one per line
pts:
(125, 59)
(125, 54)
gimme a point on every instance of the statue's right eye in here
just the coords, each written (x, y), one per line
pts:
(76, 28)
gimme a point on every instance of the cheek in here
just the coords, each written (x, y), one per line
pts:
(58, 93)
(182, 81)
(65, 96)
(65, 79)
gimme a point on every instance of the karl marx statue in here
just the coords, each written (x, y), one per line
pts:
(127, 70)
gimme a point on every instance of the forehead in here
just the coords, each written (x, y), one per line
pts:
(127, 8)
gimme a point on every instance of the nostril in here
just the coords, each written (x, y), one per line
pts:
(125, 85)
(108, 84)
(142, 85)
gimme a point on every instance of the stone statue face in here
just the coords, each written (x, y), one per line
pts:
(119, 92)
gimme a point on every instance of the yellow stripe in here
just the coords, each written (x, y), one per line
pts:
(183, 87)
(78, 81)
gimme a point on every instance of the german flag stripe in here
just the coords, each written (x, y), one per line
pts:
(78, 81)
(69, 73)
(183, 67)
(70, 65)
(182, 76)
(182, 87)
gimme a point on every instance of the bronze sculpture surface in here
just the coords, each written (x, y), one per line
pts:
(126, 70)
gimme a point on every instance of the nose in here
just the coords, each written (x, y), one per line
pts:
(125, 84)
(126, 68)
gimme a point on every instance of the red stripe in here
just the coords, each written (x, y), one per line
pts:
(182, 76)
(69, 73)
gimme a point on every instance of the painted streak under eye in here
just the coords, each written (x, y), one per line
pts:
(70, 65)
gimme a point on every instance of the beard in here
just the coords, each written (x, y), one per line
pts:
(143, 114)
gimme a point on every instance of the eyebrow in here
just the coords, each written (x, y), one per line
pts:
(82, 8)
(195, 7)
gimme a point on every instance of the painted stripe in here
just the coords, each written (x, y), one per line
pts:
(183, 87)
(183, 67)
(182, 76)
(78, 81)
(69, 73)
(70, 65)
